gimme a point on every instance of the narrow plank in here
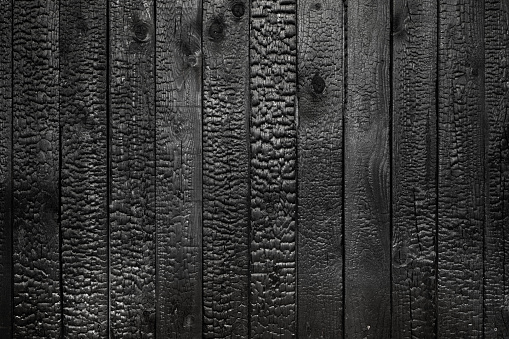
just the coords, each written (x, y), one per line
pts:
(83, 87)
(496, 269)
(414, 164)
(132, 168)
(36, 152)
(225, 168)
(5, 169)
(320, 170)
(179, 176)
(461, 177)
(273, 168)
(367, 172)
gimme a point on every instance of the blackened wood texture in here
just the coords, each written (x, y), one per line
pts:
(225, 168)
(83, 87)
(5, 169)
(461, 177)
(496, 269)
(414, 164)
(37, 302)
(132, 210)
(273, 168)
(367, 172)
(320, 171)
(179, 176)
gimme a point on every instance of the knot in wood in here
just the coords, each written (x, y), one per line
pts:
(141, 31)
(216, 30)
(318, 84)
(238, 9)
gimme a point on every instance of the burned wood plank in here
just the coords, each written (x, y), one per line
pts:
(132, 169)
(179, 176)
(414, 164)
(273, 168)
(36, 152)
(367, 172)
(496, 267)
(225, 168)
(320, 171)
(84, 181)
(462, 169)
(6, 315)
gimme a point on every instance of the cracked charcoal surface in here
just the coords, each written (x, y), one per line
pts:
(225, 169)
(320, 148)
(35, 170)
(178, 148)
(132, 211)
(367, 172)
(273, 168)
(84, 160)
(414, 169)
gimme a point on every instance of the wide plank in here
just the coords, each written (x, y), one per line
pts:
(179, 175)
(84, 181)
(36, 153)
(132, 169)
(225, 168)
(320, 168)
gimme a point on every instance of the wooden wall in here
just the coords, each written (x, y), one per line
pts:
(254, 169)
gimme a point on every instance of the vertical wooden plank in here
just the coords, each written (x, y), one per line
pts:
(414, 164)
(320, 151)
(273, 168)
(5, 169)
(225, 168)
(179, 176)
(132, 208)
(496, 269)
(461, 181)
(37, 302)
(83, 87)
(367, 172)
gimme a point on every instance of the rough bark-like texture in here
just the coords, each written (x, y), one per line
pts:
(178, 149)
(37, 308)
(367, 172)
(414, 166)
(132, 208)
(84, 160)
(225, 168)
(461, 178)
(273, 168)
(320, 147)
(5, 169)
(496, 268)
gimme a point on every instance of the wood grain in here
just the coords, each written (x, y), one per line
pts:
(414, 164)
(132, 166)
(462, 170)
(273, 168)
(36, 150)
(225, 168)
(496, 269)
(5, 169)
(179, 176)
(83, 86)
(367, 172)
(320, 170)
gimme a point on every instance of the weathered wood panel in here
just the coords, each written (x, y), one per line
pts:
(36, 153)
(273, 168)
(5, 169)
(84, 181)
(496, 269)
(461, 179)
(179, 176)
(132, 170)
(320, 155)
(225, 168)
(367, 172)
(414, 164)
